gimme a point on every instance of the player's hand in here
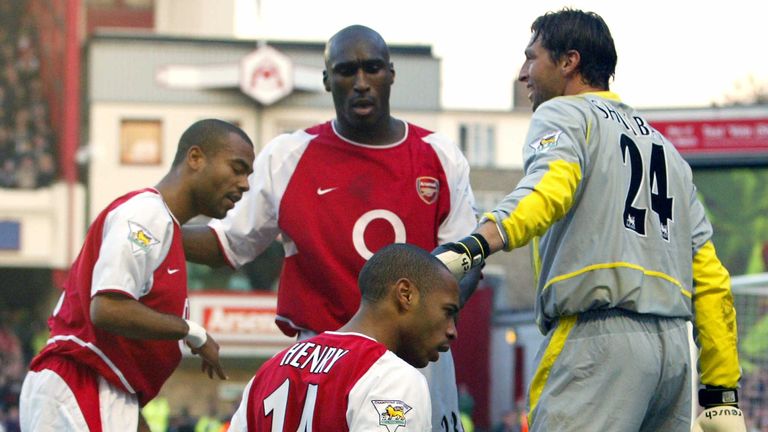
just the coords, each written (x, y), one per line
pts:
(724, 418)
(209, 353)
(463, 255)
(721, 413)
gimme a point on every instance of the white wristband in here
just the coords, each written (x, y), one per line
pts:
(197, 336)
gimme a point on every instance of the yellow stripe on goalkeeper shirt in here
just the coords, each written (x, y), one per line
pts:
(550, 200)
(652, 273)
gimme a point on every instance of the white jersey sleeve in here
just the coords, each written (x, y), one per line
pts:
(391, 394)
(137, 236)
(239, 421)
(250, 227)
(462, 219)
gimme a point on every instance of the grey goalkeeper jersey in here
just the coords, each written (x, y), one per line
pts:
(622, 207)
(620, 225)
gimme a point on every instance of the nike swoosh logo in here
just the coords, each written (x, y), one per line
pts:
(172, 271)
(321, 191)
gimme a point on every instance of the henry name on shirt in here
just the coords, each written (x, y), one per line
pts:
(319, 358)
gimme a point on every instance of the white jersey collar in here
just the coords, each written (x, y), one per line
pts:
(176, 221)
(385, 146)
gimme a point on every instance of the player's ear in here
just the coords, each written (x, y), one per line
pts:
(570, 62)
(326, 82)
(392, 70)
(195, 157)
(406, 293)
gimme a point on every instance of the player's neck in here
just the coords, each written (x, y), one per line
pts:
(176, 197)
(388, 131)
(372, 325)
(578, 86)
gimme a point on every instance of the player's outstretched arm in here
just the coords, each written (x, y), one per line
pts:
(721, 413)
(124, 316)
(201, 246)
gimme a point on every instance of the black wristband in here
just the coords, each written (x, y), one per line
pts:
(717, 396)
(484, 248)
(476, 247)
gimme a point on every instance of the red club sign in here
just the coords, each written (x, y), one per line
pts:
(266, 75)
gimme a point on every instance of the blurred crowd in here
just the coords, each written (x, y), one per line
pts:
(26, 139)
(12, 370)
(13, 367)
(19, 339)
(157, 415)
(754, 399)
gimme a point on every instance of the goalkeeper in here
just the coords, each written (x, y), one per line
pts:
(622, 252)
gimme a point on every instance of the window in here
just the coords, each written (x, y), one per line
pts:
(478, 143)
(141, 142)
(10, 235)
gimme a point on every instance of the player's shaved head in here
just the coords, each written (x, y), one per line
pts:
(210, 135)
(349, 36)
(398, 261)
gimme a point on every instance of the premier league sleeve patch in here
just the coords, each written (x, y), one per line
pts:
(141, 239)
(547, 141)
(391, 413)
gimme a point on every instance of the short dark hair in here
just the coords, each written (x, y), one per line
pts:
(209, 135)
(585, 32)
(394, 262)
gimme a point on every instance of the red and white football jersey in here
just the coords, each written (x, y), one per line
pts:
(335, 382)
(336, 202)
(134, 248)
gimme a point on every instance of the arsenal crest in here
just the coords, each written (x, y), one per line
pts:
(427, 188)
